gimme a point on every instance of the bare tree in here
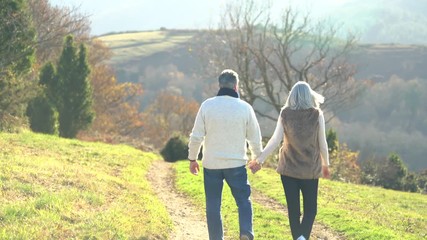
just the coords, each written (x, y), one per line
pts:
(53, 23)
(271, 56)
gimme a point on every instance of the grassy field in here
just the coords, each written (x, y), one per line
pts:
(132, 46)
(53, 188)
(359, 212)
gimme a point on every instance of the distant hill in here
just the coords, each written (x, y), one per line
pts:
(157, 59)
(385, 21)
(129, 47)
(379, 62)
(135, 51)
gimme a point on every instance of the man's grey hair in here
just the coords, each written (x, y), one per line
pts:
(228, 79)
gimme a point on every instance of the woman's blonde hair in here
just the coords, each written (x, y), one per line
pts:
(303, 97)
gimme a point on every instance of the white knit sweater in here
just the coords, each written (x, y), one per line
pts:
(224, 125)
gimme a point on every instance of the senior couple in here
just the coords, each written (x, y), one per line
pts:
(226, 125)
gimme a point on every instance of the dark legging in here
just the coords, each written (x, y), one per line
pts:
(308, 187)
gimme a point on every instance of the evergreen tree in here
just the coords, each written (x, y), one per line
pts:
(17, 40)
(41, 110)
(14, 96)
(17, 36)
(74, 93)
(50, 82)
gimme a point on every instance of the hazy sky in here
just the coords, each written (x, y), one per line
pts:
(128, 15)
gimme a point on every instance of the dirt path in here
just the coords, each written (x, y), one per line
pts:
(189, 223)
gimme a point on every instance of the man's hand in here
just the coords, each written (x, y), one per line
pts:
(254, 166)
(325, 171)
(194, 167)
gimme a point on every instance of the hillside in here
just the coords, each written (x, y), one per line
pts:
(129, 48)
(134, 52)
(53, 188)
(378, 62)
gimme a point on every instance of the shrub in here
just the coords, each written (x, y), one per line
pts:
(176, 149)
(410, 183)
(393, 173)
(388, 172)
(42, 115)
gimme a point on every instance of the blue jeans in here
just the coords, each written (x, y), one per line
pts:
(237, 180)
(308, 187)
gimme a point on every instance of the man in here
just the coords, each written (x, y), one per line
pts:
(225, 125)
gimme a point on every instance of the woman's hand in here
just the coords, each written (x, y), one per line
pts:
(325, 171)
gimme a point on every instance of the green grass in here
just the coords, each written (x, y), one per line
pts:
(359, 212)
(132, 46)
(53, 188)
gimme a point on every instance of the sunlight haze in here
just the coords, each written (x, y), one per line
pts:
(107, 15)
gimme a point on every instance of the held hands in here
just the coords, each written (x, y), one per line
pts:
(254, 166)
(194, 167)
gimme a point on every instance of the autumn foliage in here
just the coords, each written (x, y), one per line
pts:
(344, 165)
(116, 104)
(168, 114)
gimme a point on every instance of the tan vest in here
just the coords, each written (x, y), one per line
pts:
(299, 156)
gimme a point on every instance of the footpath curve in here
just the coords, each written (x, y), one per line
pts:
(188, 221)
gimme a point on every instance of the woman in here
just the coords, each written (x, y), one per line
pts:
(303, 157)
